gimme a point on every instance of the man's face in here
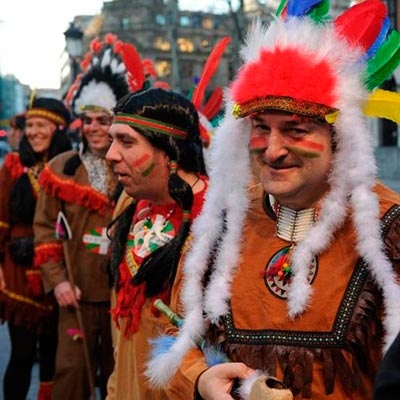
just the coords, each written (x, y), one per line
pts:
(95, 127)
(39, 132)
(141, 168)
(291, 156)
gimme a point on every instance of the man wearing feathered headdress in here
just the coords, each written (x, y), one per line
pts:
(297, 277)
(74, 207)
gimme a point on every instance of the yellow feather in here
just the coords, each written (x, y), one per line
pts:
(383, 104)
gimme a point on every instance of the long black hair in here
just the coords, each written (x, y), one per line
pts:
(158, 268)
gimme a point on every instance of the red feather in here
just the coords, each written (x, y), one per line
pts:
(133, 65)
(208, 71)
(362, 23)
(213, 105)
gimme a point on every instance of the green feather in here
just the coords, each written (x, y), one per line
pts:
(281, 7)
(320, 12)
(384, 62)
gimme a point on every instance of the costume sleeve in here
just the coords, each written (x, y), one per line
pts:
(182, 386)
(49, 254)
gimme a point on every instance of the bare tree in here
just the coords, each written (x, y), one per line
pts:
(239, 23)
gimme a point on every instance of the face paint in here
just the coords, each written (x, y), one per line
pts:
(307, 148)
(258, 144)
(141, 160)
(303, 153)
(148, 170)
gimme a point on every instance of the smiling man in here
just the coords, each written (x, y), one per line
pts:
(295, 277)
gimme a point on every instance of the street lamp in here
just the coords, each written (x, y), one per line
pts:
(74, 45)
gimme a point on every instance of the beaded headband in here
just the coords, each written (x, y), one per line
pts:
(94, 108)
(41, 113)
(301, 107)
(137, 121)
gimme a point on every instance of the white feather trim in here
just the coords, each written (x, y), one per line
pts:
(97, 94)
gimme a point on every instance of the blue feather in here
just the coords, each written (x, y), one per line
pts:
(379, 39)
(161, 345)
(214, 355)
(297, 8)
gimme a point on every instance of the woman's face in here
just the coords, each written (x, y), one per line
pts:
(39, 132)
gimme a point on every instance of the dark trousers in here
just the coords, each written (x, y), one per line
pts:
(25, 347)
(71, 378)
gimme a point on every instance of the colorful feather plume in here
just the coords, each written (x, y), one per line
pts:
(316, 9)
(380, 39)
(383, 104)
(133, 65)
(362, 23)
(213, 104)
(209, 69)
(384, 62)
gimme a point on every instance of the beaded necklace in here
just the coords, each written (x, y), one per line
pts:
(33, 173)
(291, 226)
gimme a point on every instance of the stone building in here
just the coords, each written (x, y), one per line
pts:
(179, 42)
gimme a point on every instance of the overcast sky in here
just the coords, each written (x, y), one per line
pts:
(31, 35)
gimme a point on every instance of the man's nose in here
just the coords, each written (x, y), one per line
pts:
(277, 146)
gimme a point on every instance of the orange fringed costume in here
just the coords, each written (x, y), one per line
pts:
(333, 349)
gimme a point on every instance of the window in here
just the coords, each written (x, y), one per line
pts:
(207, 23)
(163, 68)
(160, 19)
(185, 20)
(162, 44)
(185, 45)
(125, 24)
(205, 44)
(186, 69)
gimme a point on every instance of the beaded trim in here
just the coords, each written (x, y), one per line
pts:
(152, 124)
(94, 108)
(132, 265)
(4, 225)
(336, 337)
(33, 176)
(288, 104)
(23, 299)
(41, 113)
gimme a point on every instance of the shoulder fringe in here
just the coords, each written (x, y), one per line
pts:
(71, 192)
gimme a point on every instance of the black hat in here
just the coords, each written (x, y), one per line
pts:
(50, 108)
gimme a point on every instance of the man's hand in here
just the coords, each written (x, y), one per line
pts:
(2, 280)
(66, 296)
(216, 383)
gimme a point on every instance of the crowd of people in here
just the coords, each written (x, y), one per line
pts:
(147, 263)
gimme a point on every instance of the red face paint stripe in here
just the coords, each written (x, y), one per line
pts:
(141, 160)
(258, 143)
